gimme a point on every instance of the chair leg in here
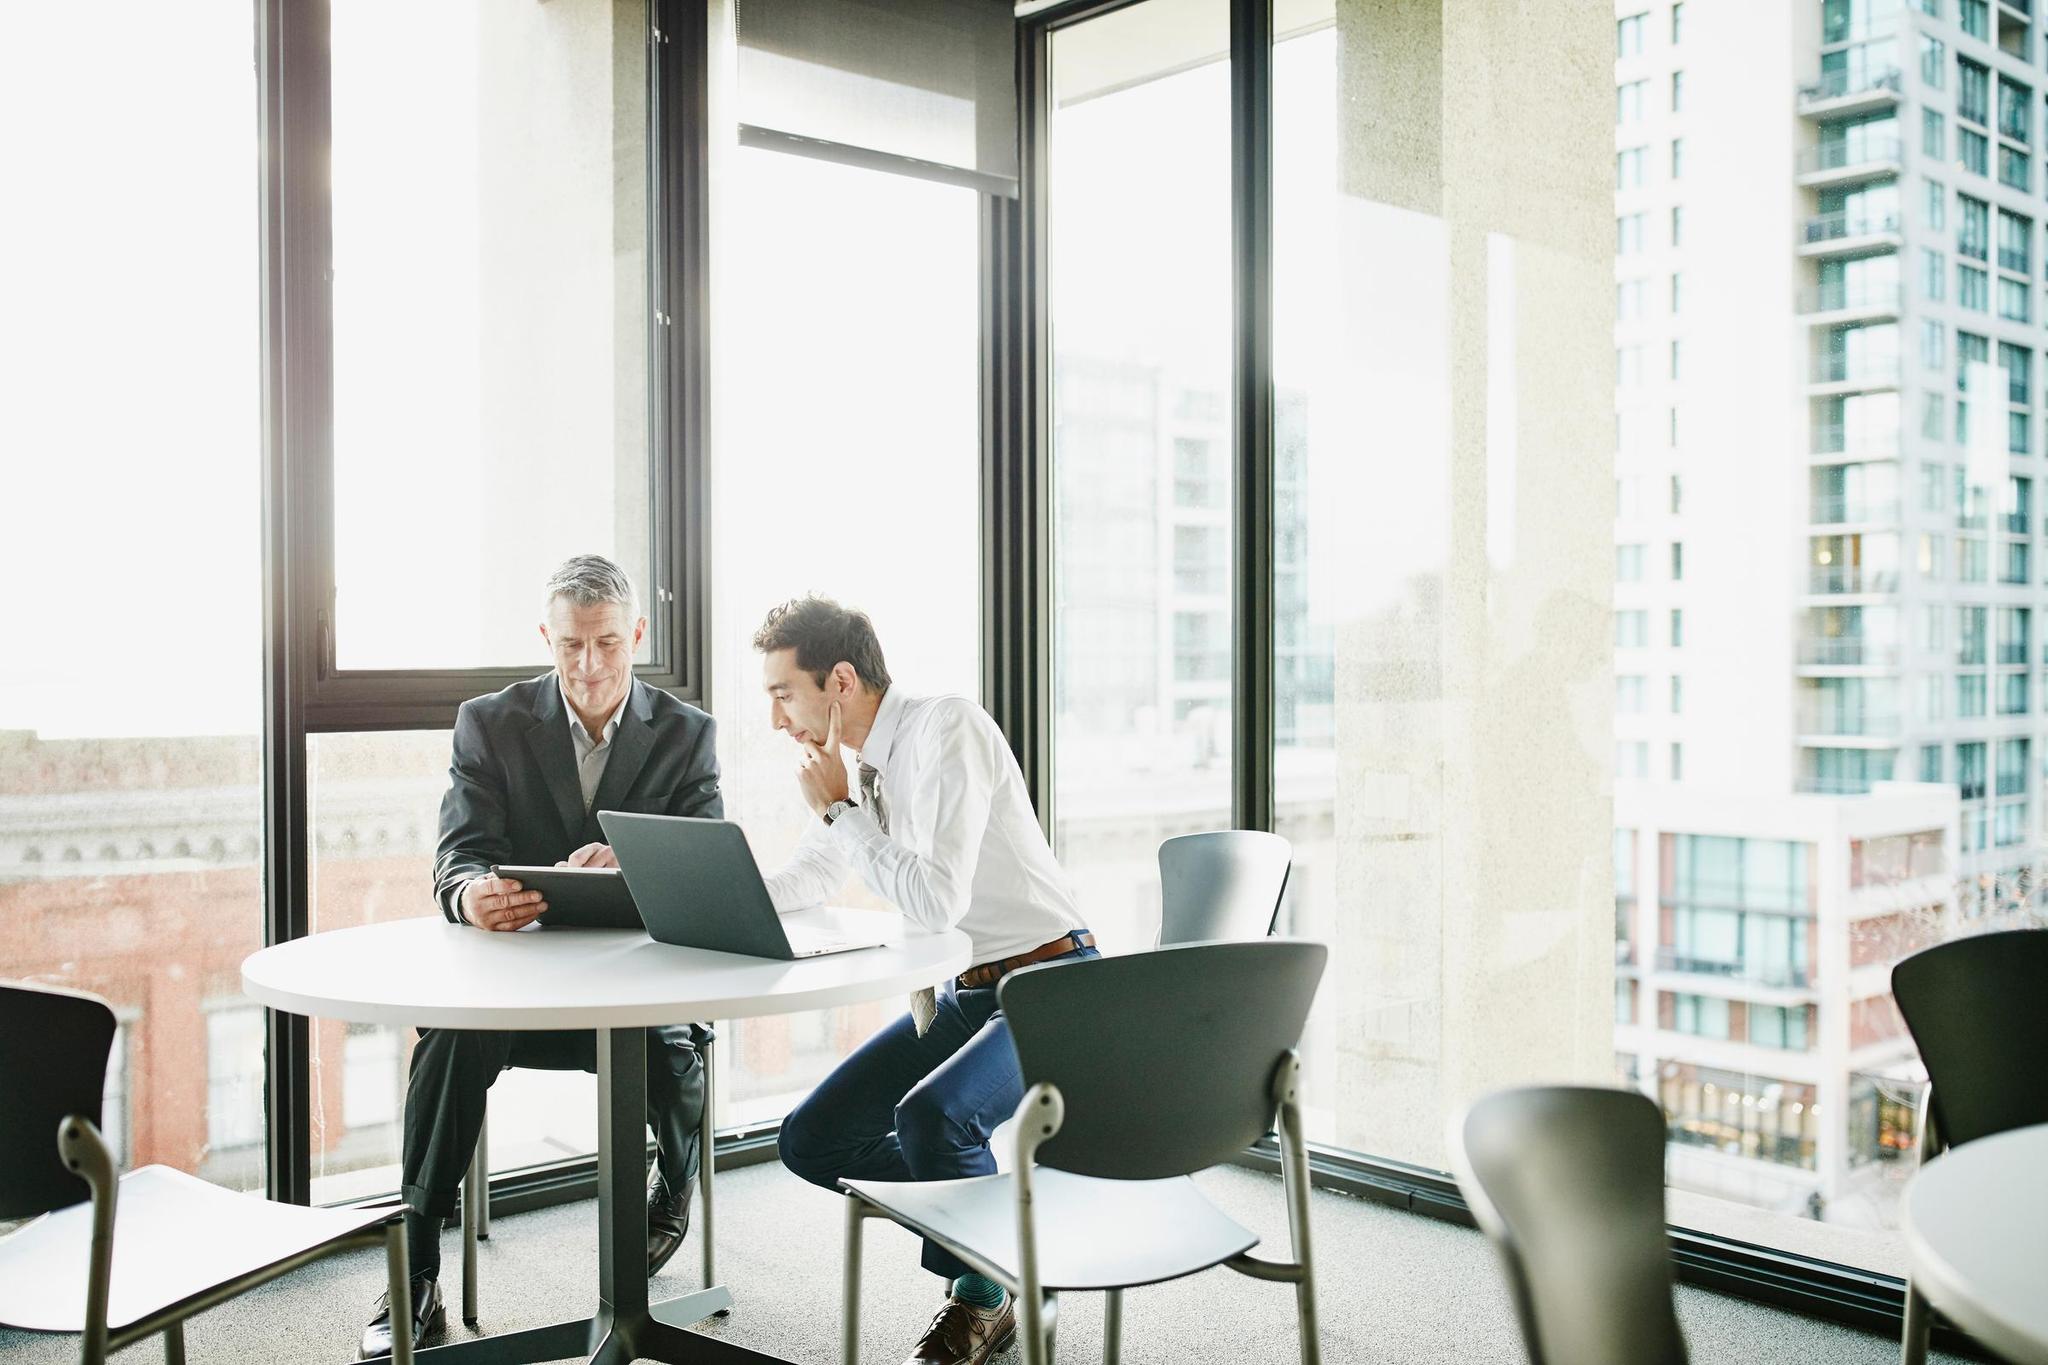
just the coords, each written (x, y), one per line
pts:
(475, 1183)
(174, 1344)
(1919, 1325)
(705, 1144)
(85, 1154)
(1295, 1179)
(1052, 1329)
(1033, 1331)
(400, 1289)
(1112, 1326)
(849, 1301)
(483, 1189)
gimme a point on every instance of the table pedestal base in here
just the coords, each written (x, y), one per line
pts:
(626, 1327)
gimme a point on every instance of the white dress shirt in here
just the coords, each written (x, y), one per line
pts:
(592, 755)
(963, 850)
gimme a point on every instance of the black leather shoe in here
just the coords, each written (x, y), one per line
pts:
(428, 1318)
(668, 1219)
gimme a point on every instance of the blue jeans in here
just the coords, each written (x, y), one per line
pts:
(903, 1107)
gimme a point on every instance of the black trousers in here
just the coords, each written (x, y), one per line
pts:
(453, 1070)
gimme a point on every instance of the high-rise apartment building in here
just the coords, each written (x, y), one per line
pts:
(1828, 327)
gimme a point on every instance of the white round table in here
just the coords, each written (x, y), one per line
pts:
(429, 973)
(1976, 1229)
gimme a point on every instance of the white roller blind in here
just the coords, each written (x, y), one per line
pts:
(931, 79)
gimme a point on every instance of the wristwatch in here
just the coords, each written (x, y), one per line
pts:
(838, 808)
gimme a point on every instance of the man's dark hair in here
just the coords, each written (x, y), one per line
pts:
(823, 634)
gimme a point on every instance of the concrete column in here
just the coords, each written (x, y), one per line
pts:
(1830, 969)
(1474, 935)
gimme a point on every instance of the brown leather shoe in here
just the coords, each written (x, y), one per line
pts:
(965, 1335)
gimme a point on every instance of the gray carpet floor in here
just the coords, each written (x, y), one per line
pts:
(1394, 1287)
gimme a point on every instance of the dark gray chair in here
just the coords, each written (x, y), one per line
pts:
(1977, 1008)
(120, 1259)
(1139, 1071)
(1221, 884)
(1568, 1181)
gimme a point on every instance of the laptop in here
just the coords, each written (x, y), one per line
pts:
(697, 886)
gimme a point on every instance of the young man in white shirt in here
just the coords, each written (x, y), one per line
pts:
(934, 819)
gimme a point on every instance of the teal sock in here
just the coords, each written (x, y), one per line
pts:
(978, 1290)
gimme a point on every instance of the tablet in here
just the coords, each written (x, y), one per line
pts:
(579, 897)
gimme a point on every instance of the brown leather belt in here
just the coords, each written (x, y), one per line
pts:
(988, 973)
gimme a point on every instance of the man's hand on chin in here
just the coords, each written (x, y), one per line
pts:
(821, 770)
(591, 855)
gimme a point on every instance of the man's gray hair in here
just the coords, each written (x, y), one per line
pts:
(593, 580)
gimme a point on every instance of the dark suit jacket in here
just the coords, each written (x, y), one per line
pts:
(513, 796)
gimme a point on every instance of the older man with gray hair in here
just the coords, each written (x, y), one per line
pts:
(532, 766)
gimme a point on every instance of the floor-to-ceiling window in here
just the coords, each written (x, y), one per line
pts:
(1460, 658)
(491, 419)
(852, 164)
(1139, 200)
(130, 464)
(845, 462)
(1472, 692)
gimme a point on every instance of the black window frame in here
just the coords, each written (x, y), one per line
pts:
(305, 693)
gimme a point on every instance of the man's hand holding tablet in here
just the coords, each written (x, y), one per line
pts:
(586, 890)
(500, 904)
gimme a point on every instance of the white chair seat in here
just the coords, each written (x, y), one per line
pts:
(174, 1236)
(1092, 1233)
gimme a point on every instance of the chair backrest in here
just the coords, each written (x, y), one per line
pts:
(1568, 1181)
(1165, 1060)
(1221, 884)
(53, 1064)
(1978, 1011)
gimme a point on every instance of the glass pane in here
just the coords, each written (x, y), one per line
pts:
(859, 291)
(490, 318)
(130, 769)
(1140, 205)
(374, 801)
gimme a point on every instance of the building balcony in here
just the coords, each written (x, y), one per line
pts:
(1852, 578)
(1847, 302)
(1867, 442)
(1846, 374)
(1840, 509)
(1851, 160)
(1846, 651)
(2016, 523)
(1849, 92)
(1816, 723)
(1845, 233)
(1815, 785)
(2018, 262)
(2012, 654)
(1784, 975)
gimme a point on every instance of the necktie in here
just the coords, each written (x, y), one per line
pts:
(924, 1004)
